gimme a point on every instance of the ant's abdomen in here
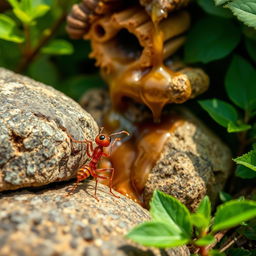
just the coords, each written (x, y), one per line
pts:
(83, 173)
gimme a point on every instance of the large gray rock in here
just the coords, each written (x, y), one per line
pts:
(47, 223)
(34, 121)
(193, 162)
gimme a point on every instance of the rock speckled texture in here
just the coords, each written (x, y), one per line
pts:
(34, 118)
(194, 161)
(47, 223)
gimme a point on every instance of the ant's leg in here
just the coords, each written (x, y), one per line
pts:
(112, 170)
(73, 188)
(89, 150)
(95, 189)
(82, 174)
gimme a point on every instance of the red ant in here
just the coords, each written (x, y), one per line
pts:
(102, 141)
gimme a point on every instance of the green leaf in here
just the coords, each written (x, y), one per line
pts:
(167, 209)
(211, 39)
(23, 16)
(247, 160)
(58, 47)
(28, 10)
(251, 48)
(9, 30)
(156, 234)
(225, 197)
(244, 10)
(245, 173)
(240, 83)
(204, 208)
(238, 127)
(222, 112)
(206, 240)
(233, 213)
(199, 221)
(209, 7)
(220, 2)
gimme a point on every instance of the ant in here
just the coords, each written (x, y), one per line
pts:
(102, 140)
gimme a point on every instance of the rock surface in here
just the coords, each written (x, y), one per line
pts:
(194, 161)
(47, 223)
(34, 121)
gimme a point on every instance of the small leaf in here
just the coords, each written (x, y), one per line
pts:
(204, 208)
(199, 221)
(233, 213)
(225, 197)
(58, 47)
(245, 10)
(209, 7)
(9, 31)
(206, 240)
(245, 173)
(211, 39)
(222, 112)
(251, 48)
(156, 234)
(247, 160)
(22, 16)
(235, 127)
(220, 2)
(240, 83)
(40, 11)
(249, 231)
(167, 209)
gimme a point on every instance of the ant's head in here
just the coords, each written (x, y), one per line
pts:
(105, 140)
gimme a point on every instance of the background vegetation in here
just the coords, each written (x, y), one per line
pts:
(222, 40)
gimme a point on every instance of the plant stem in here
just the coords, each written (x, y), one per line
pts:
(203, 251)
(30, 55)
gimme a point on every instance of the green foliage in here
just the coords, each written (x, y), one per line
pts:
(245, 173)
(172, 223)
(248, 160)
(233, 213)
(161, 209)
(29, 10)
(58, 47)
(33, 41)
(9, 31)
(245, 10)
(209, 7)
(211, 39)
(240, 83)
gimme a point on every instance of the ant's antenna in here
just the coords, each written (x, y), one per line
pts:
(101, 130)
(117, 133)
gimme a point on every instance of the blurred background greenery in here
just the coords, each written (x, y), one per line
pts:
(33, 41)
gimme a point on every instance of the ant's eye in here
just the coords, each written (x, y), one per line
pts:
(102, 137)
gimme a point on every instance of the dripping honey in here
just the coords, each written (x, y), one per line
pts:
(134, 158)
(149, 86)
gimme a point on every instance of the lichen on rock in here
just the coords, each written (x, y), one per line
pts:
(34, 122)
